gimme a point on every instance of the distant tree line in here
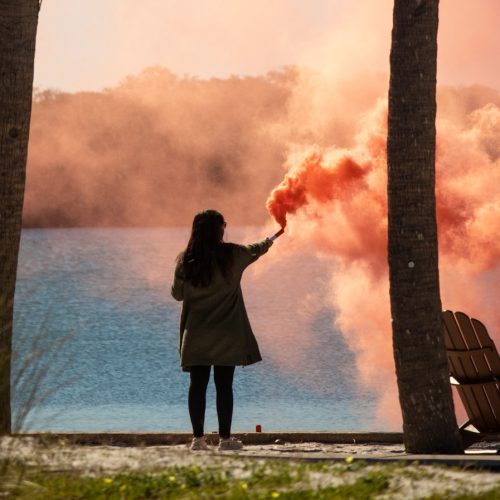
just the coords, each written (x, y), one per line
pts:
(155, 148)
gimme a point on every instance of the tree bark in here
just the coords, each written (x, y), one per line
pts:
(429, 421)
(18, 24)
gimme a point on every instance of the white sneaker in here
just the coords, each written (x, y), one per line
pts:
(230, 444)
(199, 444)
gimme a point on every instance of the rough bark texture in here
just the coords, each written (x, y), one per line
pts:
(18, 24)
(429, 422)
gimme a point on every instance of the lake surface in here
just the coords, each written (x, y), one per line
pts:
(96, 339)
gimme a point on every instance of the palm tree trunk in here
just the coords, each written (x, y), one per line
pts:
(18, 24)
(429, 422)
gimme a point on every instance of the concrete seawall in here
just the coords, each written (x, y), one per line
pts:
(174, 438)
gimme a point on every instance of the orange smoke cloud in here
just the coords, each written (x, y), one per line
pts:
(312, 179)
(335, 200)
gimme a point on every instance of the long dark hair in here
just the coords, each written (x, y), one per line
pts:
(206, 250)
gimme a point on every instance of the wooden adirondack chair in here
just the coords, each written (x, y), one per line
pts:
(475, 372)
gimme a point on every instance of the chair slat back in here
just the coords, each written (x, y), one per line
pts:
(492, 357)
(462, 368)
(473, 360)
(471, 339)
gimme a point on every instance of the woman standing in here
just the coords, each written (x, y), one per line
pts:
(214, 330)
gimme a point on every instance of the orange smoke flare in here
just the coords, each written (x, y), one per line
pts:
(313, 179)
(338, 201)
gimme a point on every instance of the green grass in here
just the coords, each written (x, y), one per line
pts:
(245, 479)
(190, 485)
(493, 494)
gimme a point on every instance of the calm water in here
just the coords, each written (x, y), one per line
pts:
(96, 337)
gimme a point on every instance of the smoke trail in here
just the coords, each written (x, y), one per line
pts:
(314, 178)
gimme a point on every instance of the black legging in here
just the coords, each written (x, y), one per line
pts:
(223, 377)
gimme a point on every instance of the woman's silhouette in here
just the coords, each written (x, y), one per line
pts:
(214, 330)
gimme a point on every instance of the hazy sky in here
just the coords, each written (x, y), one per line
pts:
(91, 44)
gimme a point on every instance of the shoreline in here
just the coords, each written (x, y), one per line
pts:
(249, 438)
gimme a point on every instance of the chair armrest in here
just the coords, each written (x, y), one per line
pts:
(489, 380)
(475, 350)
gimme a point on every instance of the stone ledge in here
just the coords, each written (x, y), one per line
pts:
(174, 438)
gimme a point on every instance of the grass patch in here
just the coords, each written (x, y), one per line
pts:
(189, 485)
(248, 479)
(244, 479)
(492, 494)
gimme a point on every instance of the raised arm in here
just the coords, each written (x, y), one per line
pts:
(260, 248)
(246, 254)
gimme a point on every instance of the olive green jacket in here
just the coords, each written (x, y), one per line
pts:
(214, 328)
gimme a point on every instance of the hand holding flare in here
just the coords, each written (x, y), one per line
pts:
(278, 234)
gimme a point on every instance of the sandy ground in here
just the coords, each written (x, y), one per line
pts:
(417, 481)
(111, 459)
